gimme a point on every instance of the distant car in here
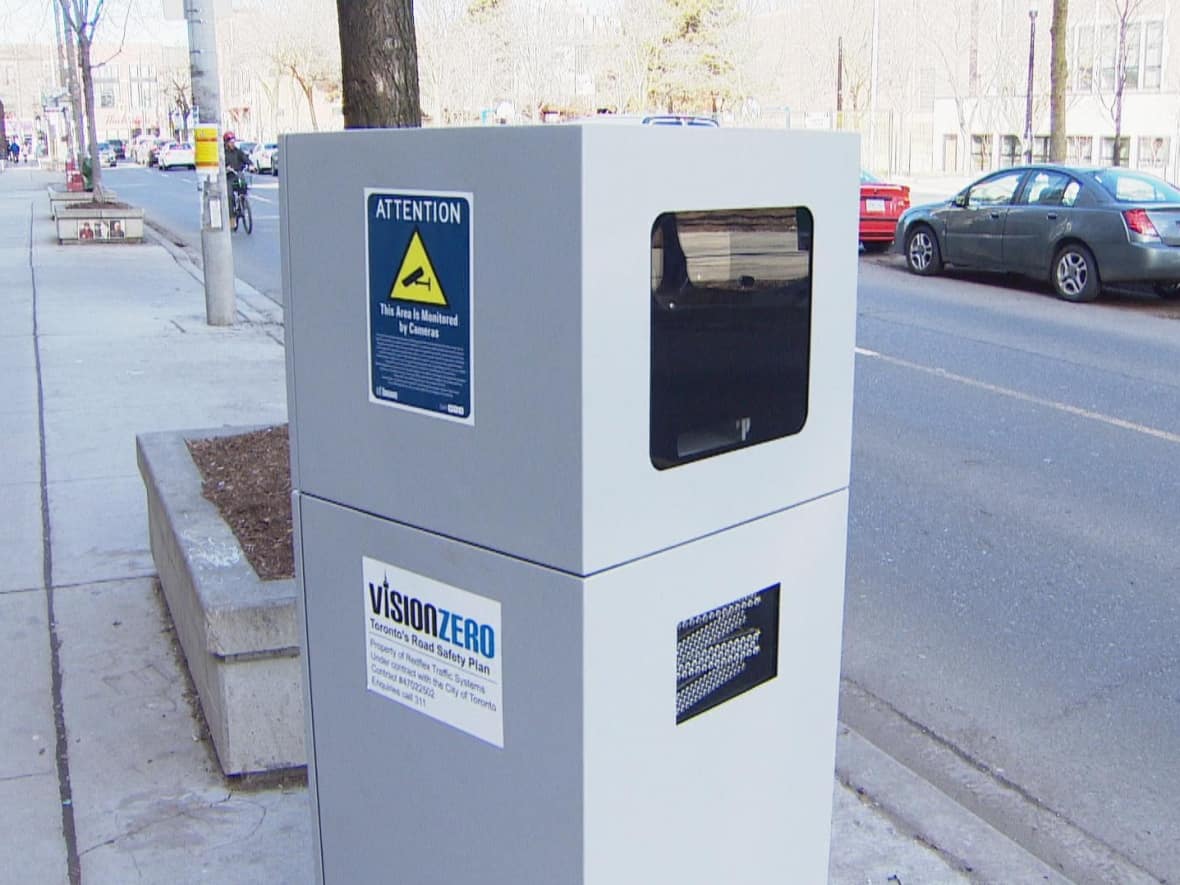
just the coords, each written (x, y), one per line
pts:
(1079, 228)
(176, 153)
(262, 159)
(150, 151)
(247, 148)
(651, 120)
(106, 154)
(138, 149)
(881, 204)
(119, 147)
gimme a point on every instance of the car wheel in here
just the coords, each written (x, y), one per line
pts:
(922, 255)
(1168, 291)
(1075, 274)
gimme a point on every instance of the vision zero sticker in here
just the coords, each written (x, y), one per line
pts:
(419, 272)
(434, 648)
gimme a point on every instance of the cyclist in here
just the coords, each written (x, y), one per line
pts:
(235, 161)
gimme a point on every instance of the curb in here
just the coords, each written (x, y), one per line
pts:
(252, 305)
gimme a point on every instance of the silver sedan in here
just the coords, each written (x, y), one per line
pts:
(1076, 227)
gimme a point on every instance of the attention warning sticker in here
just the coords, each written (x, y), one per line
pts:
(420, 301)
(434, 648)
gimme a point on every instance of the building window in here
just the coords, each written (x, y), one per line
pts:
(1106, 158)
(1040, 149)
(1080, 149)
(1108, 42)
(1153, 55)
(1010, 151)
(1083, 64)
(1153, 153)
(950, 153)
(1134, 51)
(981, 152)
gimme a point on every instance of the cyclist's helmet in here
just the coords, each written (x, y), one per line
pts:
(229, 136)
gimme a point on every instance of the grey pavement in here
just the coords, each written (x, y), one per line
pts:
(106, 775)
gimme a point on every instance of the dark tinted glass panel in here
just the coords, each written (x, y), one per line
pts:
(730, 330)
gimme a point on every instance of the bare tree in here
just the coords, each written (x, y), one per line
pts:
(631, 56)
(1124, 12)
(178, 88)
(379, 63)
(81, 18)
(456, 59)
(300, 45)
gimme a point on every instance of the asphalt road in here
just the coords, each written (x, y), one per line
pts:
(1013, 593)
(1013, 575)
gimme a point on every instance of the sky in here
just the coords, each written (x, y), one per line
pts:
(31, 21)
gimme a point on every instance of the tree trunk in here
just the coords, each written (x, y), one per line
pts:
(378, 63)
(1059, 81)
(76, 107)
(91, 127)
(1120, 85)
(308, 89)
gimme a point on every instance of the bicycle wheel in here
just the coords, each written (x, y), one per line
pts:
(247, 215)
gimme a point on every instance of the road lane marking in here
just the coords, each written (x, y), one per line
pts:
(1026, 397)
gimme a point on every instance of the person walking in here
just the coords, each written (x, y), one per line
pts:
(14, 151)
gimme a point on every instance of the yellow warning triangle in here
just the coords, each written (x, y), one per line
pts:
(416, 279)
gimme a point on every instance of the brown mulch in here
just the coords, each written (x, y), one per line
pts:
(98, 204)
(248, 479)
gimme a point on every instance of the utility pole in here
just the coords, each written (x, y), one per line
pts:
(216, 249)
(1032, 56)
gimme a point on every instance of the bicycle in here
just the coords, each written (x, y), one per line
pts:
(239, 207)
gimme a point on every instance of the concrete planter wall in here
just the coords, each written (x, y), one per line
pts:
(239, 634)
(86, 224)
(59, 199)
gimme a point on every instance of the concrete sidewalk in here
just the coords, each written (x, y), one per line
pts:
(105, 775)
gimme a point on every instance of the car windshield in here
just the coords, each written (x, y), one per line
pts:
(1136, 187)
(869, 178)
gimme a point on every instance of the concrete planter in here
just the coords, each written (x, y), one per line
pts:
(60, 198)
(239, 634)
(87, 224)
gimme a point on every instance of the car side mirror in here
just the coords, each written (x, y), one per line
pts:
(960, 200)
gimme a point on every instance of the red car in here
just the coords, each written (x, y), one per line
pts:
(881, 204)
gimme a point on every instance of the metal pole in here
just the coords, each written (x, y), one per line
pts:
(216, 249)
(1032, 48)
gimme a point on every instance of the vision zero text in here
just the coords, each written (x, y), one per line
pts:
(428, 621)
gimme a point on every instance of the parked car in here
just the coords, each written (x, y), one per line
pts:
(106, 154)
(881, 204)
(1080, 228)
(176, 153)
(274, 160)
(262, 159)
(119, 147)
